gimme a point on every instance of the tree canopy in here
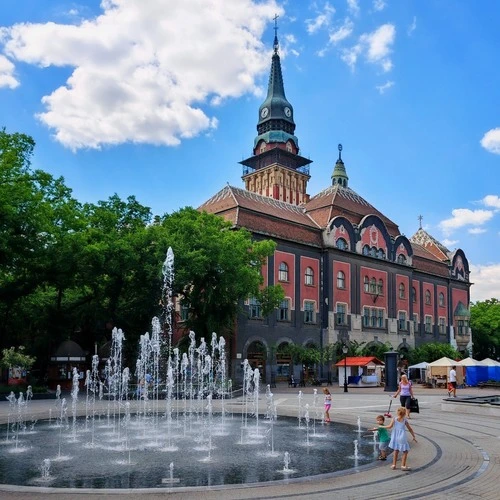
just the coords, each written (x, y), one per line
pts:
(74, 271)
(485, 326)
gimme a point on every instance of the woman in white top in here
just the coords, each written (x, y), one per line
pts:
(405, 391)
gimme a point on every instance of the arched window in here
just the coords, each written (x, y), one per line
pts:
(401, 291)
(309, 276)
(340, 280)
(289, 146)
(262, 147)
(283, 272)
(413, 294)
(341, 244)
(373, 251)
(441, 299)
(366, 250)
(367, 284)
(401, 259)
(373, 285)
(380, 287)
(380, 254)
(427, 297)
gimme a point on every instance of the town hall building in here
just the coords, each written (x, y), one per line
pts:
(347, 271)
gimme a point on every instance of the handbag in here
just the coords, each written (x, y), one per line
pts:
(414, 405)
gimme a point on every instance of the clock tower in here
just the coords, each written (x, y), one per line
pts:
(276, 169)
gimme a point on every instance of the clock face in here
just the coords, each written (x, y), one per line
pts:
(288, 112)
(264, 112)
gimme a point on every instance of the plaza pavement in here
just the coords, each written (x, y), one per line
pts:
(457, 455)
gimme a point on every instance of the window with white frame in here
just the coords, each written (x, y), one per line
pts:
(283, 272)
(380, 287)
(283, 310)
(402, 320)
(309, 311)
(366, 316)
(413, 294)
(415, 322)
(428, 324)
(254, 309)
(441, 299)
(366, 282)
(402, 291)
(442, 325)
(341, 314)
(373, 285)
(380, 318)
(340, 279)
(309, 276)
(463, 326)
(427, 297)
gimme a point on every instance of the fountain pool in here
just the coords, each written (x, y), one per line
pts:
(138, 456)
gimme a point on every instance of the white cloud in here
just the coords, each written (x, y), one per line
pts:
(465, 217)
(491, 141)
(350, 56)
(353, 6)
(450, 243)
(486, 279)
(379, 5)
(412, 27)
(322, 20)
(386, 86)
(7, 78)
(492, 200)
(142, 72)
(476, 230)
(341, 33)
(377, 45)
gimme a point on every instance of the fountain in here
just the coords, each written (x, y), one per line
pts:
(121, 434)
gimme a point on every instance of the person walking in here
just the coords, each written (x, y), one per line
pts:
(328, 404)
(405, 392)
(453, 382)
(399, 441)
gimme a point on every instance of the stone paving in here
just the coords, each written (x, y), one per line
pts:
(457, 455)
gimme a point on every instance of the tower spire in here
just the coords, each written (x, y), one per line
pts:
(276, 43)
(339, 175)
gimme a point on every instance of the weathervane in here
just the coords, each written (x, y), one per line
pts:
(420, 217)
(340, 152)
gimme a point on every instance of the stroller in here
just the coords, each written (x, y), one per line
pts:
(388, 412)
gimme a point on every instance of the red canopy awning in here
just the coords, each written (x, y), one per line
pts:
(359, 361)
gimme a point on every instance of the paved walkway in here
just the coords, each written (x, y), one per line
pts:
(457, 455)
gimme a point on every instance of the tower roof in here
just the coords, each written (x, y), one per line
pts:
(276, 112)
(339, 175)
(424, 239)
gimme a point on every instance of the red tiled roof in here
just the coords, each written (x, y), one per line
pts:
(337, 200)
(360, 361)
(231, 196)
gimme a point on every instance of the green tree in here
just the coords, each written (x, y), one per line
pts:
(216, 268)
(485, 326)
(432, 351)
(16, 357)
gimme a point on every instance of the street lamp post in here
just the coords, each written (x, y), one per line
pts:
(344, 350)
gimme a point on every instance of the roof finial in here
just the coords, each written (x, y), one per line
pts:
(276, 45)
(420, 217)
(340, 152)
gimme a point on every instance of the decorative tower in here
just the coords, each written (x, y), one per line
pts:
(339, 175)
(276, 169)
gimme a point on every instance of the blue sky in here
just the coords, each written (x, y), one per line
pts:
(159, 99)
